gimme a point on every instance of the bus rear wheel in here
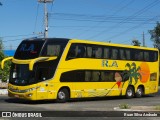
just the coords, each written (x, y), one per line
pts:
(63, 95)
(129, 92)
(139, 93)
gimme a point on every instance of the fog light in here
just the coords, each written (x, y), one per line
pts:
(29, 95)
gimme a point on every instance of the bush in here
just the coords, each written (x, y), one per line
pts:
(124, 106)
(4, 74)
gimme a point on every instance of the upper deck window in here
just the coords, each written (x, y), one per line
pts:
(53, 48)
(30, 49)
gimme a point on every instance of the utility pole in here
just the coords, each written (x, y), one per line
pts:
(143, 40)
(45, 16)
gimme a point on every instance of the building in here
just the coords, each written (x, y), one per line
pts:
(9, 52)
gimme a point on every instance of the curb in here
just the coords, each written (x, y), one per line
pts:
(137, 108)
(118, 109)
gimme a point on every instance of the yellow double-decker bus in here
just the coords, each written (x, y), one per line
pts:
(61, 69)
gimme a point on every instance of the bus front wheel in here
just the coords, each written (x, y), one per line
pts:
(129, 92)
(63, 95)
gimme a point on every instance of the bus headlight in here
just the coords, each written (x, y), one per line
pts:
(29, 95)
(29, 90)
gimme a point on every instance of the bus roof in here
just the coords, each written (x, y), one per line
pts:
(48, 39)
(91, 42)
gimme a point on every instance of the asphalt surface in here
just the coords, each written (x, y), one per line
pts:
(91, 108)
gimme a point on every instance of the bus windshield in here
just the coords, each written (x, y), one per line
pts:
(20, 75)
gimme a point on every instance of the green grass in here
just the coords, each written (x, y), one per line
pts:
(124, 106)
(157, 107)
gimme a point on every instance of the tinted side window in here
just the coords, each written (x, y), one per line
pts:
(153, 56)
(107, 76)
(89, 51)
(138, 55)
(45, 70)
(77, 51)
(73, 76)
(53, 49)
(97, 52)
(114, 54)
(128, 54)
(107, 53)
(122, 54)
(95, 76)
(146, 56)
(90, 76)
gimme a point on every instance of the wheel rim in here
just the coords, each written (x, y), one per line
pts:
(139, 91)
(61, 95)
(129, 92)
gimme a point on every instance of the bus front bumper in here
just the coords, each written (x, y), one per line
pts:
(26, 96)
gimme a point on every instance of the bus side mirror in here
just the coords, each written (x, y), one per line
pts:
(4, 60)
(32, 62)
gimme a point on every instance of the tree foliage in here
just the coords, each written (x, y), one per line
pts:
(136, 42)
(4, 74)
(155, 35)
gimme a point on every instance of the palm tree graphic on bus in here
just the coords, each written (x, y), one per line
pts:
(133, 73)
(130, 74)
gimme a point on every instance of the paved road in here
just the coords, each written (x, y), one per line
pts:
(98, 104)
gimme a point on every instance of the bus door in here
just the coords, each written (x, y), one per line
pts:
(43, 84)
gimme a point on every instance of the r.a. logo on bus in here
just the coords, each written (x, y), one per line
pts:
(25, 47)
(107, 63)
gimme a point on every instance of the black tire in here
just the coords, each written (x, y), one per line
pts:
(139, 93)
(129, 92)
(62, 95)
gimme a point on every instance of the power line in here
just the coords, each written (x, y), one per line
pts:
(146, 8)
(16, 36)
(109, 20)
(105, 18)
(116, 12)
(12, 40)
(62, 27)
(9, 40)
(132, 28)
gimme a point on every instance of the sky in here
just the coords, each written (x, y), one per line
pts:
(116, 21)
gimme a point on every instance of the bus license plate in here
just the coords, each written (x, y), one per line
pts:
(17, 96)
